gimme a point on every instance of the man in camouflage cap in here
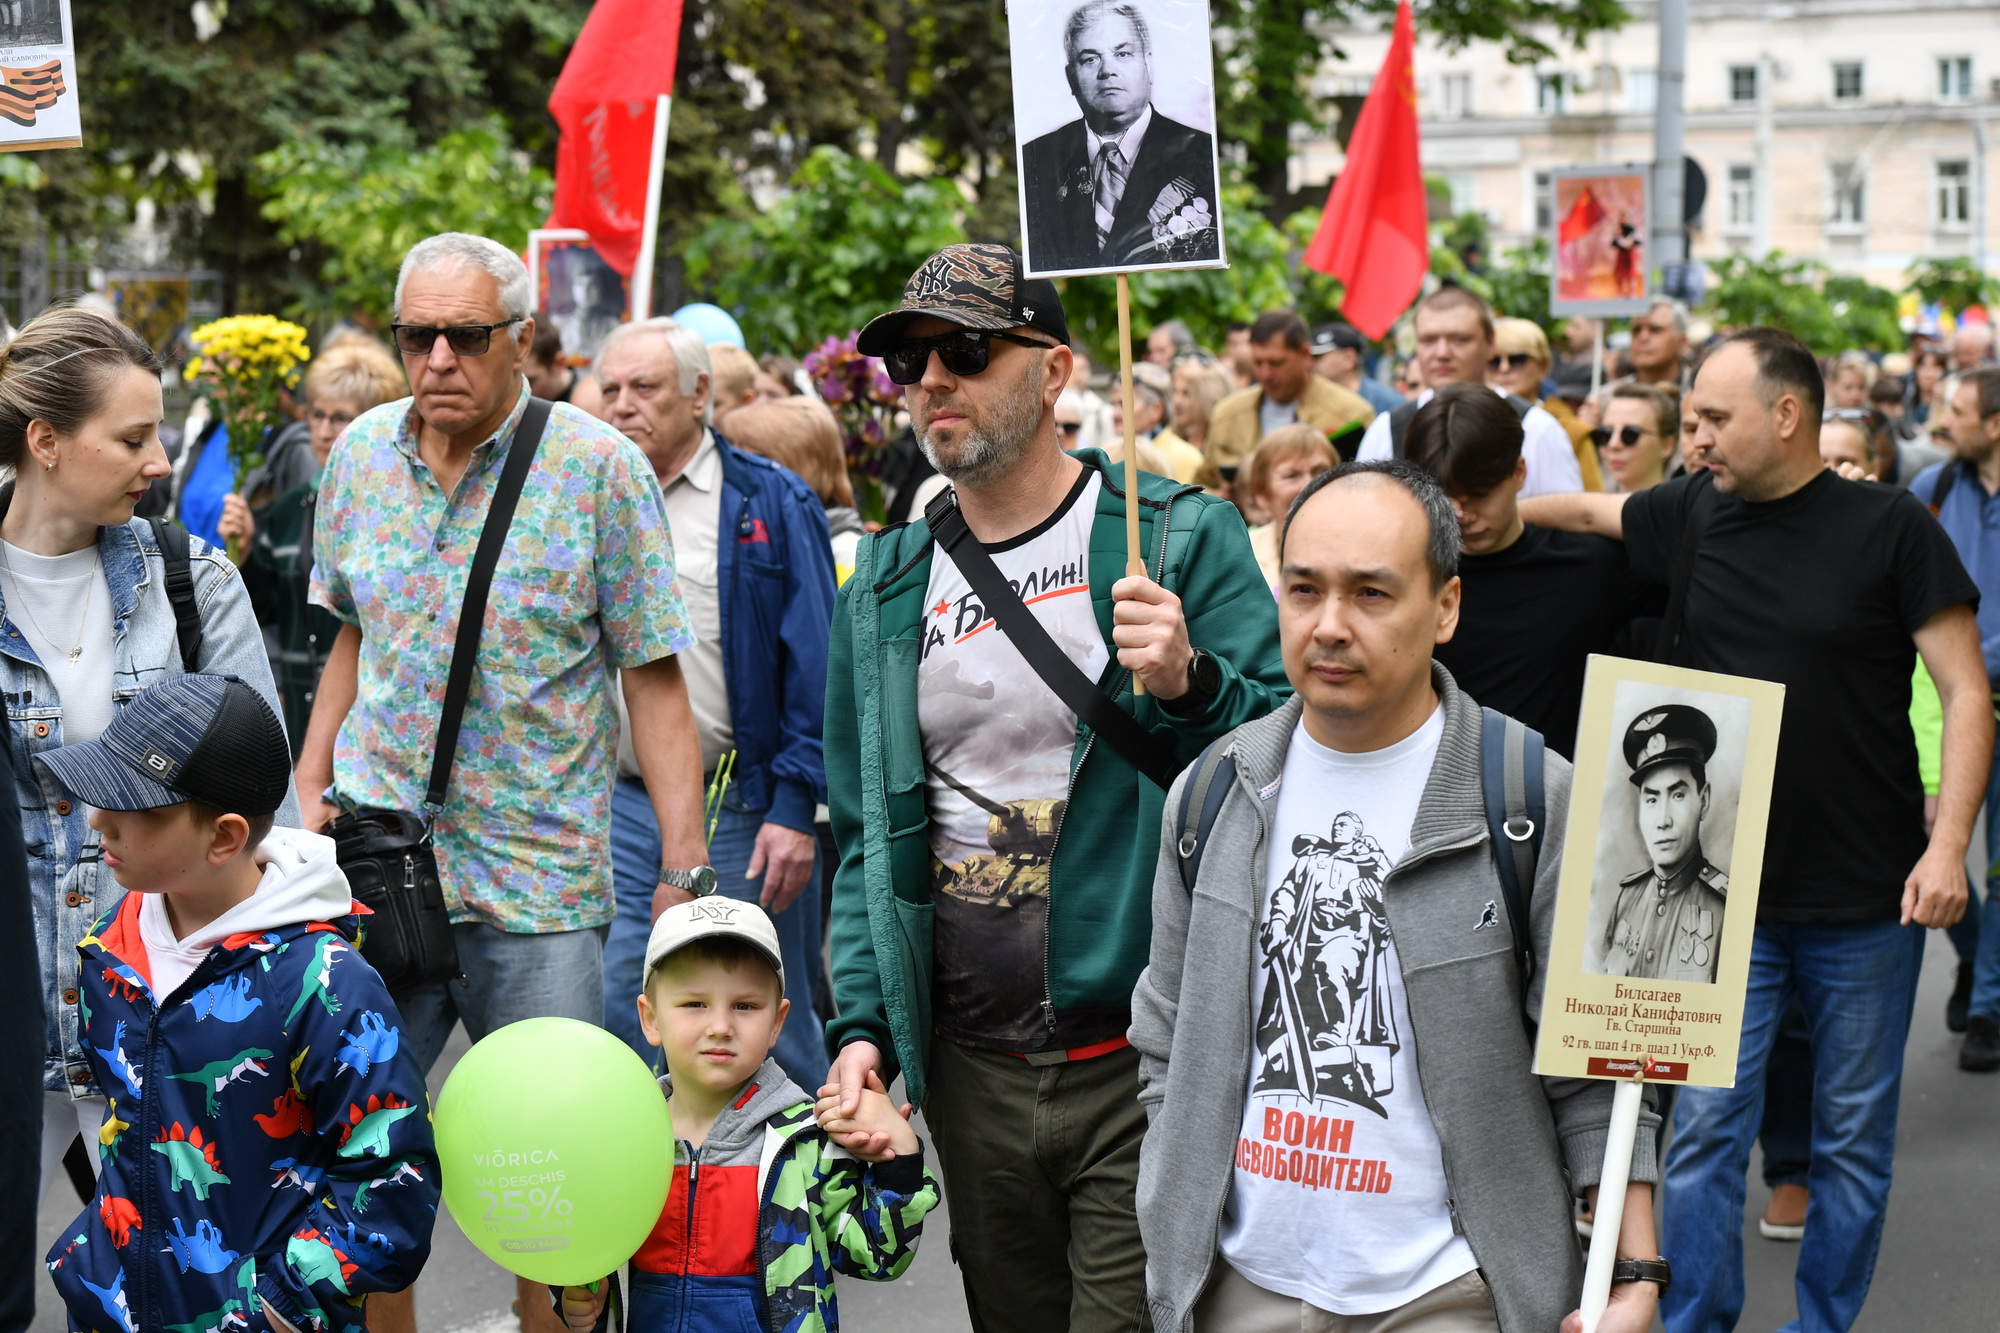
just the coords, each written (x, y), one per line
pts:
(993, 906)
(1667, 923)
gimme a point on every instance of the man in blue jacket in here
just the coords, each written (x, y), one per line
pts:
(756, 570)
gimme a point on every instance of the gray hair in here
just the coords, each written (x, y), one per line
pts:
(455, 249)
(1086, 14)
(689, 352)
(1155, 382)
(1440, 551)
(1678, 309)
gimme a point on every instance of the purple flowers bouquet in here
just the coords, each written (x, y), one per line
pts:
(865, 402)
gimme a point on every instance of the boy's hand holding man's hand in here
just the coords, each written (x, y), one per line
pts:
(876, 1130)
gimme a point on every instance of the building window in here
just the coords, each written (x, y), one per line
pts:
(1742, 198)
(1545, 204)
(1549, 94)
(1954, 78)
(1953, 193)
(1642, 91)
(1742, 83)
(1847, 82)
(1457, 96)
(1847, 185)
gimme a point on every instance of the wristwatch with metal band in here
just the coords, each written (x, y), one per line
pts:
(699, 881)
(1642, 1270)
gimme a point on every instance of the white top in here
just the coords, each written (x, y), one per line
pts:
(1128, 142)
(67, 596)
(1272, 414)
(1552, 465)
(694, 519)
(1339, 1196)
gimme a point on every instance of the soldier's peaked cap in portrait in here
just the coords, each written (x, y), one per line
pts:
(975, 286)
(1669, 734)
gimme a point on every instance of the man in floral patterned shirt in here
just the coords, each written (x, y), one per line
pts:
(585, 585)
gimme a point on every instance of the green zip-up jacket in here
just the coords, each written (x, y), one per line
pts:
(1100, 884)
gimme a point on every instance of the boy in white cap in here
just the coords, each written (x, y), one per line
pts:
(765, 1207)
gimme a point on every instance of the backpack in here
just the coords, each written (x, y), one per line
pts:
(1403, 413)
(1510, 780)
(179, 581)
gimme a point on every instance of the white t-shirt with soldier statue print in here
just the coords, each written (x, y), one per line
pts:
(1339, 1195)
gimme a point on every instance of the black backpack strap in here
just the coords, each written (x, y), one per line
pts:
(1520, 405)
(1140, 748)
(1511, 782)
(1209, 780)
(179, 581)
(478, 580)
(1400, 417)
(1706, 498)
(1947, 478)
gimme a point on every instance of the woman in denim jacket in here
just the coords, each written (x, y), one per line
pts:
(85, 624)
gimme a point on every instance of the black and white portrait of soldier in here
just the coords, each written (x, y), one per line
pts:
(1666, 922)
(1123, 185)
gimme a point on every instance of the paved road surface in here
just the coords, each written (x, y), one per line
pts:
(1939, 1271)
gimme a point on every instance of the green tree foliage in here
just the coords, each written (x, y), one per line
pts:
(834, 252)
(1520, 284)
(1828, 312)
(1865, 313)
(1955, 283)
(362, 206)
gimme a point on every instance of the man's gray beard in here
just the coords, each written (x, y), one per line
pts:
(991, 451)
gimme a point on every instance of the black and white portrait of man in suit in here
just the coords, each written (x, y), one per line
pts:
(1123, 185)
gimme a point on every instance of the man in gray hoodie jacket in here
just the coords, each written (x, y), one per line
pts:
(1343, 1117)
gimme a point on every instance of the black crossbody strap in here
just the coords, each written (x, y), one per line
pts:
(1705, 500)
(472, 612)
(1140, 748)
(178, 559)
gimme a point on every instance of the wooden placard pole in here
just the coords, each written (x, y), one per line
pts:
(1605, 1224)
(1135, 561)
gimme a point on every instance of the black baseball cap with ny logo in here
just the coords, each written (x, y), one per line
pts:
(975, 286)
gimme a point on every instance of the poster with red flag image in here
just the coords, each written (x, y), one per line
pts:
(1600, 241)
(37, 77)
(1114, 115)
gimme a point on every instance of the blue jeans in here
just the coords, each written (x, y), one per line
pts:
(1857, 984)
(635, 872)
(1977, 934)
(504, 979)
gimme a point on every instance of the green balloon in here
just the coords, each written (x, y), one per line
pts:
(556, 1150)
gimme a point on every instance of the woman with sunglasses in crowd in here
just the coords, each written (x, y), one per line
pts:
(1639, 437)
(85, 624)
(1520, 365)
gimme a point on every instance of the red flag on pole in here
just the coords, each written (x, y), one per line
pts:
(1374, 235)
(605, 103)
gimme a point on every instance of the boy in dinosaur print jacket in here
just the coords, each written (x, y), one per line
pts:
(267, 1157)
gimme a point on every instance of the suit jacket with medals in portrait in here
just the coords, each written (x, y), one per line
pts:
(1172, 178)
(1667, 930)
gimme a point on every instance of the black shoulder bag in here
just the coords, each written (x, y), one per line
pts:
(1140, 748)
(387, 855)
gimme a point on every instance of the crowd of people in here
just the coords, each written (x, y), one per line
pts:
(743, 779)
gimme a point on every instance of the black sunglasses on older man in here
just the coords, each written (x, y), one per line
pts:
(465, 339)
(963, 351)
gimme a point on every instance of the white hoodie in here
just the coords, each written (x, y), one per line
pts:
(302, 882)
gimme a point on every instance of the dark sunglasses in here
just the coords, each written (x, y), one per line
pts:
(1508, 361)
(1070, 427)
(963, 351)
(465, 339)
(1629, 436)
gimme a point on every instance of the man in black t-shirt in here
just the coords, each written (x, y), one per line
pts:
(1537, 602)
(1829, 587)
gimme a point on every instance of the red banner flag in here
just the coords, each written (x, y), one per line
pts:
(622, 63)
(1374, 235)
